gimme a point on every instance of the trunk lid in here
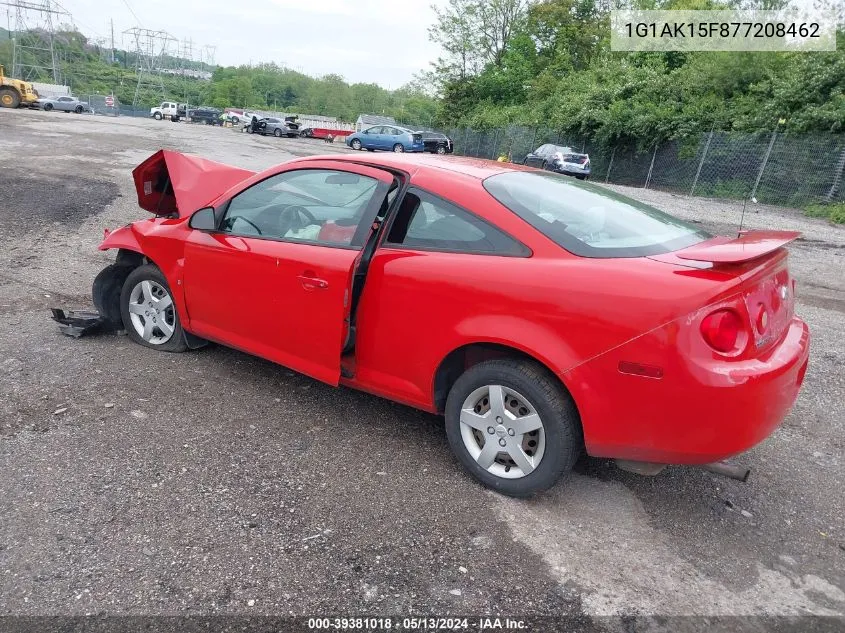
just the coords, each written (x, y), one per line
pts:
(171, 183)
(757, 262)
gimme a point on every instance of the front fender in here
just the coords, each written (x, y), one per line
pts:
(124, 238)
(156, 251)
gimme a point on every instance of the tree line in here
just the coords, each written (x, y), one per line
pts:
(548, 63)
(89, 68)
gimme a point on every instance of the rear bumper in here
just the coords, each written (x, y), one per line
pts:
(700, 411)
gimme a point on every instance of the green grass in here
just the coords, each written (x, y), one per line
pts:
(833, 212)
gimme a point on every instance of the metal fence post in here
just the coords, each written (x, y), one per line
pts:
(610, 165)
(763, 166)
(701, 162)
(495, 143)
(837, 180)
(466, 141)
(533, 140)
(651, 167)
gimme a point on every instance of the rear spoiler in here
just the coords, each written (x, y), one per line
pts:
(747, 246)
(171, 183)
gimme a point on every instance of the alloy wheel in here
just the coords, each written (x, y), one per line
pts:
(151, 312)
(502, 431)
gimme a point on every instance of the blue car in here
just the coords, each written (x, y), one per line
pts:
(386, 137)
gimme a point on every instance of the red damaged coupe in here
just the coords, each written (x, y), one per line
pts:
(540, 315)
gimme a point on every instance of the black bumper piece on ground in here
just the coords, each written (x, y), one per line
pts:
(78, 323)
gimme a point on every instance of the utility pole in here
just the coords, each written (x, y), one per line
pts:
(112, 40)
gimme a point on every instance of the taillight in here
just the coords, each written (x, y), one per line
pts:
(723, 331)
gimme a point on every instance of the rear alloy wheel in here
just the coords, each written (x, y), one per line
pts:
(441, 149)
(356, 144)
(79, 109)
(398, 148)
(277, 133)
(512, 426)
(148, 312)
(48, 107)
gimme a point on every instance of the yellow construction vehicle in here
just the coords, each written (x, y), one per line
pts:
(14, 92)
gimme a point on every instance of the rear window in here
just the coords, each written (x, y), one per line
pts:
(578, 159)
(588, 220)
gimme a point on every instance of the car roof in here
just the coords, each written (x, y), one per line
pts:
(476, 168)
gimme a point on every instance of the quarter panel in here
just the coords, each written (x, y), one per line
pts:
(419, 306)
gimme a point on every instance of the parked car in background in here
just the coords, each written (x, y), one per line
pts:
(562, 159)
(205, 114)
(274, 126)
(541, 316)
(63, 104)
(387, 137)
(437, 143)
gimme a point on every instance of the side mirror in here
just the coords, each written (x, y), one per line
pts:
(203, 220)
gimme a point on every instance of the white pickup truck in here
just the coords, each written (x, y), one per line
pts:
(168, 109)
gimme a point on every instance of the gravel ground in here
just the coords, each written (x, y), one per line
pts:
(211, 482)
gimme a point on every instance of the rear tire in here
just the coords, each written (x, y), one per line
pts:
(441, 149)
(529, 392)
(79, 110)
(398, 148)
(146, 323)
(277, 133)
(48, 107)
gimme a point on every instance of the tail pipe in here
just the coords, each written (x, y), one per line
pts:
(740, 473)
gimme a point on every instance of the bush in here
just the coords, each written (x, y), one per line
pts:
(833, 212)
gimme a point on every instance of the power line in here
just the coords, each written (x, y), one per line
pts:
(126, 2)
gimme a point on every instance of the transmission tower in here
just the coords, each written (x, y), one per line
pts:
(209, 54)
(149, 48)
(33, 53)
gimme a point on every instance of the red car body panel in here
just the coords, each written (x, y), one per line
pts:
(622, 334)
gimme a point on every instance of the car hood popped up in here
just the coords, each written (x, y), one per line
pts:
(174, 184)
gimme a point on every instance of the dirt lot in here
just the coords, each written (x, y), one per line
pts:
(212, 482)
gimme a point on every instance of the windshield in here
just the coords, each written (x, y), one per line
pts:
(589, 220)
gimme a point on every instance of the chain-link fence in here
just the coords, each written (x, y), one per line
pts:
(772, 167)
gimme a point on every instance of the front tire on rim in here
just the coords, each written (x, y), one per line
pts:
(441, 149)
(148, 312)
(398, 148)
(356, 144)
(512, 426)
(277, 133)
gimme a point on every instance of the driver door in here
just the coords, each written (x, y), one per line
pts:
(273, 278)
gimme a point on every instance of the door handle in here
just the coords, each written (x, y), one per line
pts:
(312, 283)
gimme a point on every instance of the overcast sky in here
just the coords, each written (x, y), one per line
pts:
(379, 41)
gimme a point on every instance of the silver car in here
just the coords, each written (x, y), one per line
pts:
(65, 104)
(274, 126)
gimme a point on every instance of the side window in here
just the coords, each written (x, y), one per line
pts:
(392, 131)
(427, 221)
(321, 206)
(374, 130)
